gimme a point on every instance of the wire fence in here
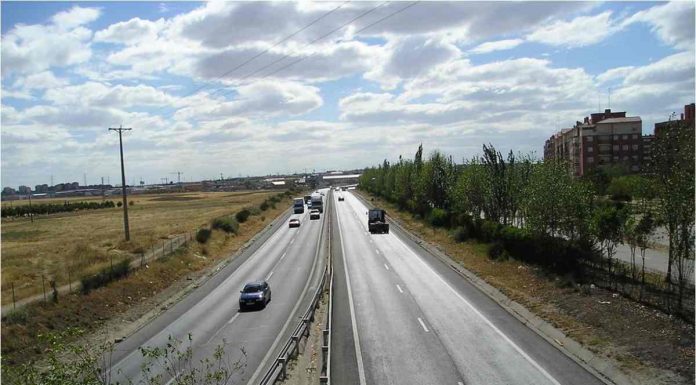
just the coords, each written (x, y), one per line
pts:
(69, 281)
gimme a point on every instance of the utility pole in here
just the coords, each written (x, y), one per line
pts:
(120, 130)
(178, 179)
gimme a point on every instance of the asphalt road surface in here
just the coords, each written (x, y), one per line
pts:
(403, 317)
(291, 260)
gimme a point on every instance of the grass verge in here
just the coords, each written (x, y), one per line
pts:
(649, 345)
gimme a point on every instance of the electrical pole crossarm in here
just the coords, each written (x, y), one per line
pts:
(120, 130)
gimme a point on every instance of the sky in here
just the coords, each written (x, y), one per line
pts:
(259, 88)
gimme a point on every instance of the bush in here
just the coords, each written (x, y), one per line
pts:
(460, 234)
(119, 204)
(227, 224)
(497, 251)
(202, 235)
(438, 217)
(105, 276)
(263, 206)
(489, 231)
(131, 203)
(242, 215)
(255, 211)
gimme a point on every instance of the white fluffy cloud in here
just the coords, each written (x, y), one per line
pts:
(130, 32)
(673, 22)
(63, 42)
(581, 31)
(498, 45)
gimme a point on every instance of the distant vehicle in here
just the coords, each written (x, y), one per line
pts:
(341, 198)
(318, 203)
(314, 214)
(294, 222)
(376, 221)
(255, 294)
(298, 206)
(307, 199)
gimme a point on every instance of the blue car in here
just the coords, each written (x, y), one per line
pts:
(255, 294)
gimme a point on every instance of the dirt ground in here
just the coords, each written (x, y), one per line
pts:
(109, 311)
(648, 345)
(306, 369)
(65, 246)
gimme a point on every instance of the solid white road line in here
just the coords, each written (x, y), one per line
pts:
(283, 256)
(269, 276)
(386, 267)
(423, 324)
(356, 338)
(399, 287)
(487, 321)
(292, 240)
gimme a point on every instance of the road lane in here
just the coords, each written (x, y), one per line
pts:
(394, 347)
(485, 344)
(211, 313)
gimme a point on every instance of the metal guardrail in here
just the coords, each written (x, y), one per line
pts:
(325, 377)
(278, 370)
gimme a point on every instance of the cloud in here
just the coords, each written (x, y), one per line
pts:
(102, 95)
(408, 57)
(579, 32)
(35, 48)
(498, 45)
(130, 32)
(261, 99)
(39, 81)
(673, 23)
(74, 17)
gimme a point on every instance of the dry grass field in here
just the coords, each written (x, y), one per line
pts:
(84, 241)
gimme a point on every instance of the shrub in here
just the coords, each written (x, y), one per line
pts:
(438, 217)
(105, 276)
(119, 204)
(255, 211)
(242, 215)
(18, 316)
(202, 235)
(489, 231)
(131, 203)
(263, 206)
(227, 224)
(460, 234)
(497, 251)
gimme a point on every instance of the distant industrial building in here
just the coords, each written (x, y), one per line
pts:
(602, 139)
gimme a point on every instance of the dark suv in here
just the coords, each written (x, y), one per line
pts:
(255, 294)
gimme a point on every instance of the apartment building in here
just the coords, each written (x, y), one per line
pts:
(602, 139)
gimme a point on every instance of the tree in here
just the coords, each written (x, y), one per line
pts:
(673, 170)
(609, 225)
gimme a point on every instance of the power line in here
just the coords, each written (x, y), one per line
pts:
(356, 32)
(202, 87)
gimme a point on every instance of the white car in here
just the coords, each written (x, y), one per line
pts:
(314, 214)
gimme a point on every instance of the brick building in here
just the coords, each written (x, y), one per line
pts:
(686, 120)
(602, 139)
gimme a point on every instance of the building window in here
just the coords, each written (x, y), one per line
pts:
(616, 147)
(616, 159)
(624, 147)
(590, 149)
(625, 137)
(588, 138)
(635, 147)
(635, 167)
(635, 136)
(590, 159)
(616, 137)
(625, 159)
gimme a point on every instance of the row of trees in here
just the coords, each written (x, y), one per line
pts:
(544, 200)
(53, 208)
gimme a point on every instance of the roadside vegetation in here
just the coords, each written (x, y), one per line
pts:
(64, 247)
(538, 213)
(124, 294)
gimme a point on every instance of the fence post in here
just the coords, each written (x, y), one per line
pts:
(283, 362)
(43, 285)
(14, 301)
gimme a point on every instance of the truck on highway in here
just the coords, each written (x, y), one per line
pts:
(307, 199)
(318, 202)
(298, 206)
(377, 222)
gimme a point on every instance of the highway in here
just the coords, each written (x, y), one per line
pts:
(291, 260)
(400, 316)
